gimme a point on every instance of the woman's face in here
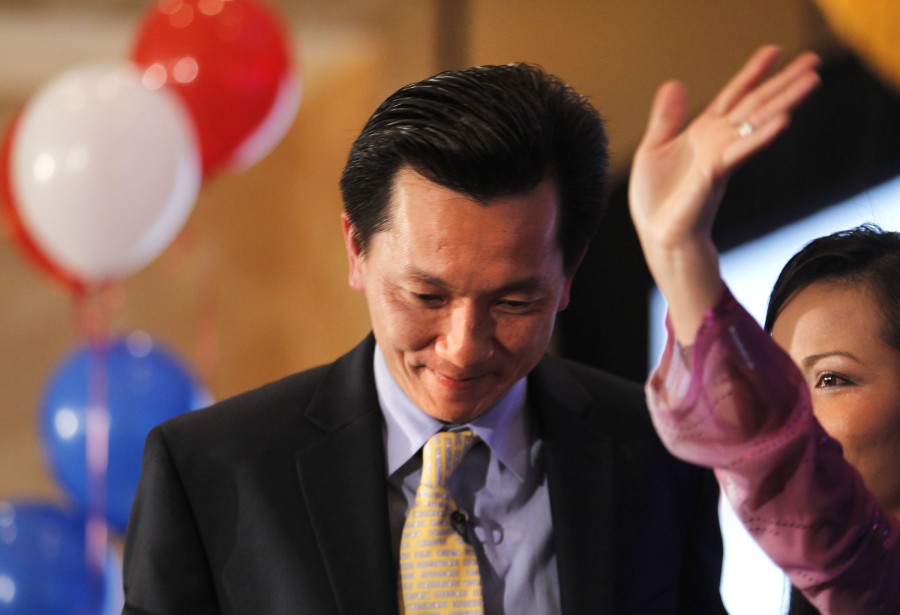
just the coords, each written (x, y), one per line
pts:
(832, 331)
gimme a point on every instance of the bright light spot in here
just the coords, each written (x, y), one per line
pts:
(185, 70)
(8, 534)
(139, 344)
(170, 7)
(183, 17)
(210, 7)
(7, 589)
(66, 423)
(154, 77)
(44, 167)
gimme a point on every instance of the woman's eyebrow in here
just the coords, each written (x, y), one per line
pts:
(812, 359)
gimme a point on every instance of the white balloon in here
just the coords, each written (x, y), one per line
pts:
(104, 170)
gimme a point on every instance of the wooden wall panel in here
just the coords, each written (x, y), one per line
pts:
(619, 52)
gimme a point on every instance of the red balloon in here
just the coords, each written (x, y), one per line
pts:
(230, 62)
(13, 221)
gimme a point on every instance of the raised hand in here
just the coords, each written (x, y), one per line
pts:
(679, 173)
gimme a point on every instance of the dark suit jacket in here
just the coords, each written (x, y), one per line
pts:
(275, 502)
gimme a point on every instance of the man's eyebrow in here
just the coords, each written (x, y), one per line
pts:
(529, 283)
(425, 277)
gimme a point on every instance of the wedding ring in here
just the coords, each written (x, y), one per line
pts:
(745, 128)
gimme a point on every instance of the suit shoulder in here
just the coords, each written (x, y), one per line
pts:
(295, 407)
(257, 405)
(599, 382)
(609, 403)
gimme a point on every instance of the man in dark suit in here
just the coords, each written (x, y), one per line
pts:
(470, 199)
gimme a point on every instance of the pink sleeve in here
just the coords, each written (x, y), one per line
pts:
(735, 402)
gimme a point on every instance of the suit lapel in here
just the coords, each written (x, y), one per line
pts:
(581, 479)
(342, 475)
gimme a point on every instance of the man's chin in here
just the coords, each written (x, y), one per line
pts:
(453, 400)
(457, 410)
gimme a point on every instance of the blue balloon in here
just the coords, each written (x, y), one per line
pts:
(43, 563)
(144, 385)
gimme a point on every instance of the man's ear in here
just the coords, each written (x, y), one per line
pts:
(567, 283)
(354, 256)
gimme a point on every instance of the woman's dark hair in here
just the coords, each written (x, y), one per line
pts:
(865, 254)
(487, 132)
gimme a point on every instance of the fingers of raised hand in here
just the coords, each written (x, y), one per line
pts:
(745, 80)
(779, 94)
(667, 115)
(751, 110)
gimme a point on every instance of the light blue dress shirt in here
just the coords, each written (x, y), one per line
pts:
(501, 485)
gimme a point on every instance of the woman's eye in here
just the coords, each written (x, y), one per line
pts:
(831, 379)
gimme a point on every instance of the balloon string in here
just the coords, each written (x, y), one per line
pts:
(93, 309)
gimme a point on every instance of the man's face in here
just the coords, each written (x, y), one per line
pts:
(462, 296)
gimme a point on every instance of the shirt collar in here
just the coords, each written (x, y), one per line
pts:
(504, 428)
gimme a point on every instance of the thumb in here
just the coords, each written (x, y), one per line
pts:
(667, 115)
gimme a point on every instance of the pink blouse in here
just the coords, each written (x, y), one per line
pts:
(735, 402)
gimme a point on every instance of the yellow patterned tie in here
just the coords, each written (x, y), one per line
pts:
(438, 569)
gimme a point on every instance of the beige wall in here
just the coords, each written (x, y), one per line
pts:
(619, 52)
(255, 287)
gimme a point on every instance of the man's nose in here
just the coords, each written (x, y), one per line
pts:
(468, 337)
